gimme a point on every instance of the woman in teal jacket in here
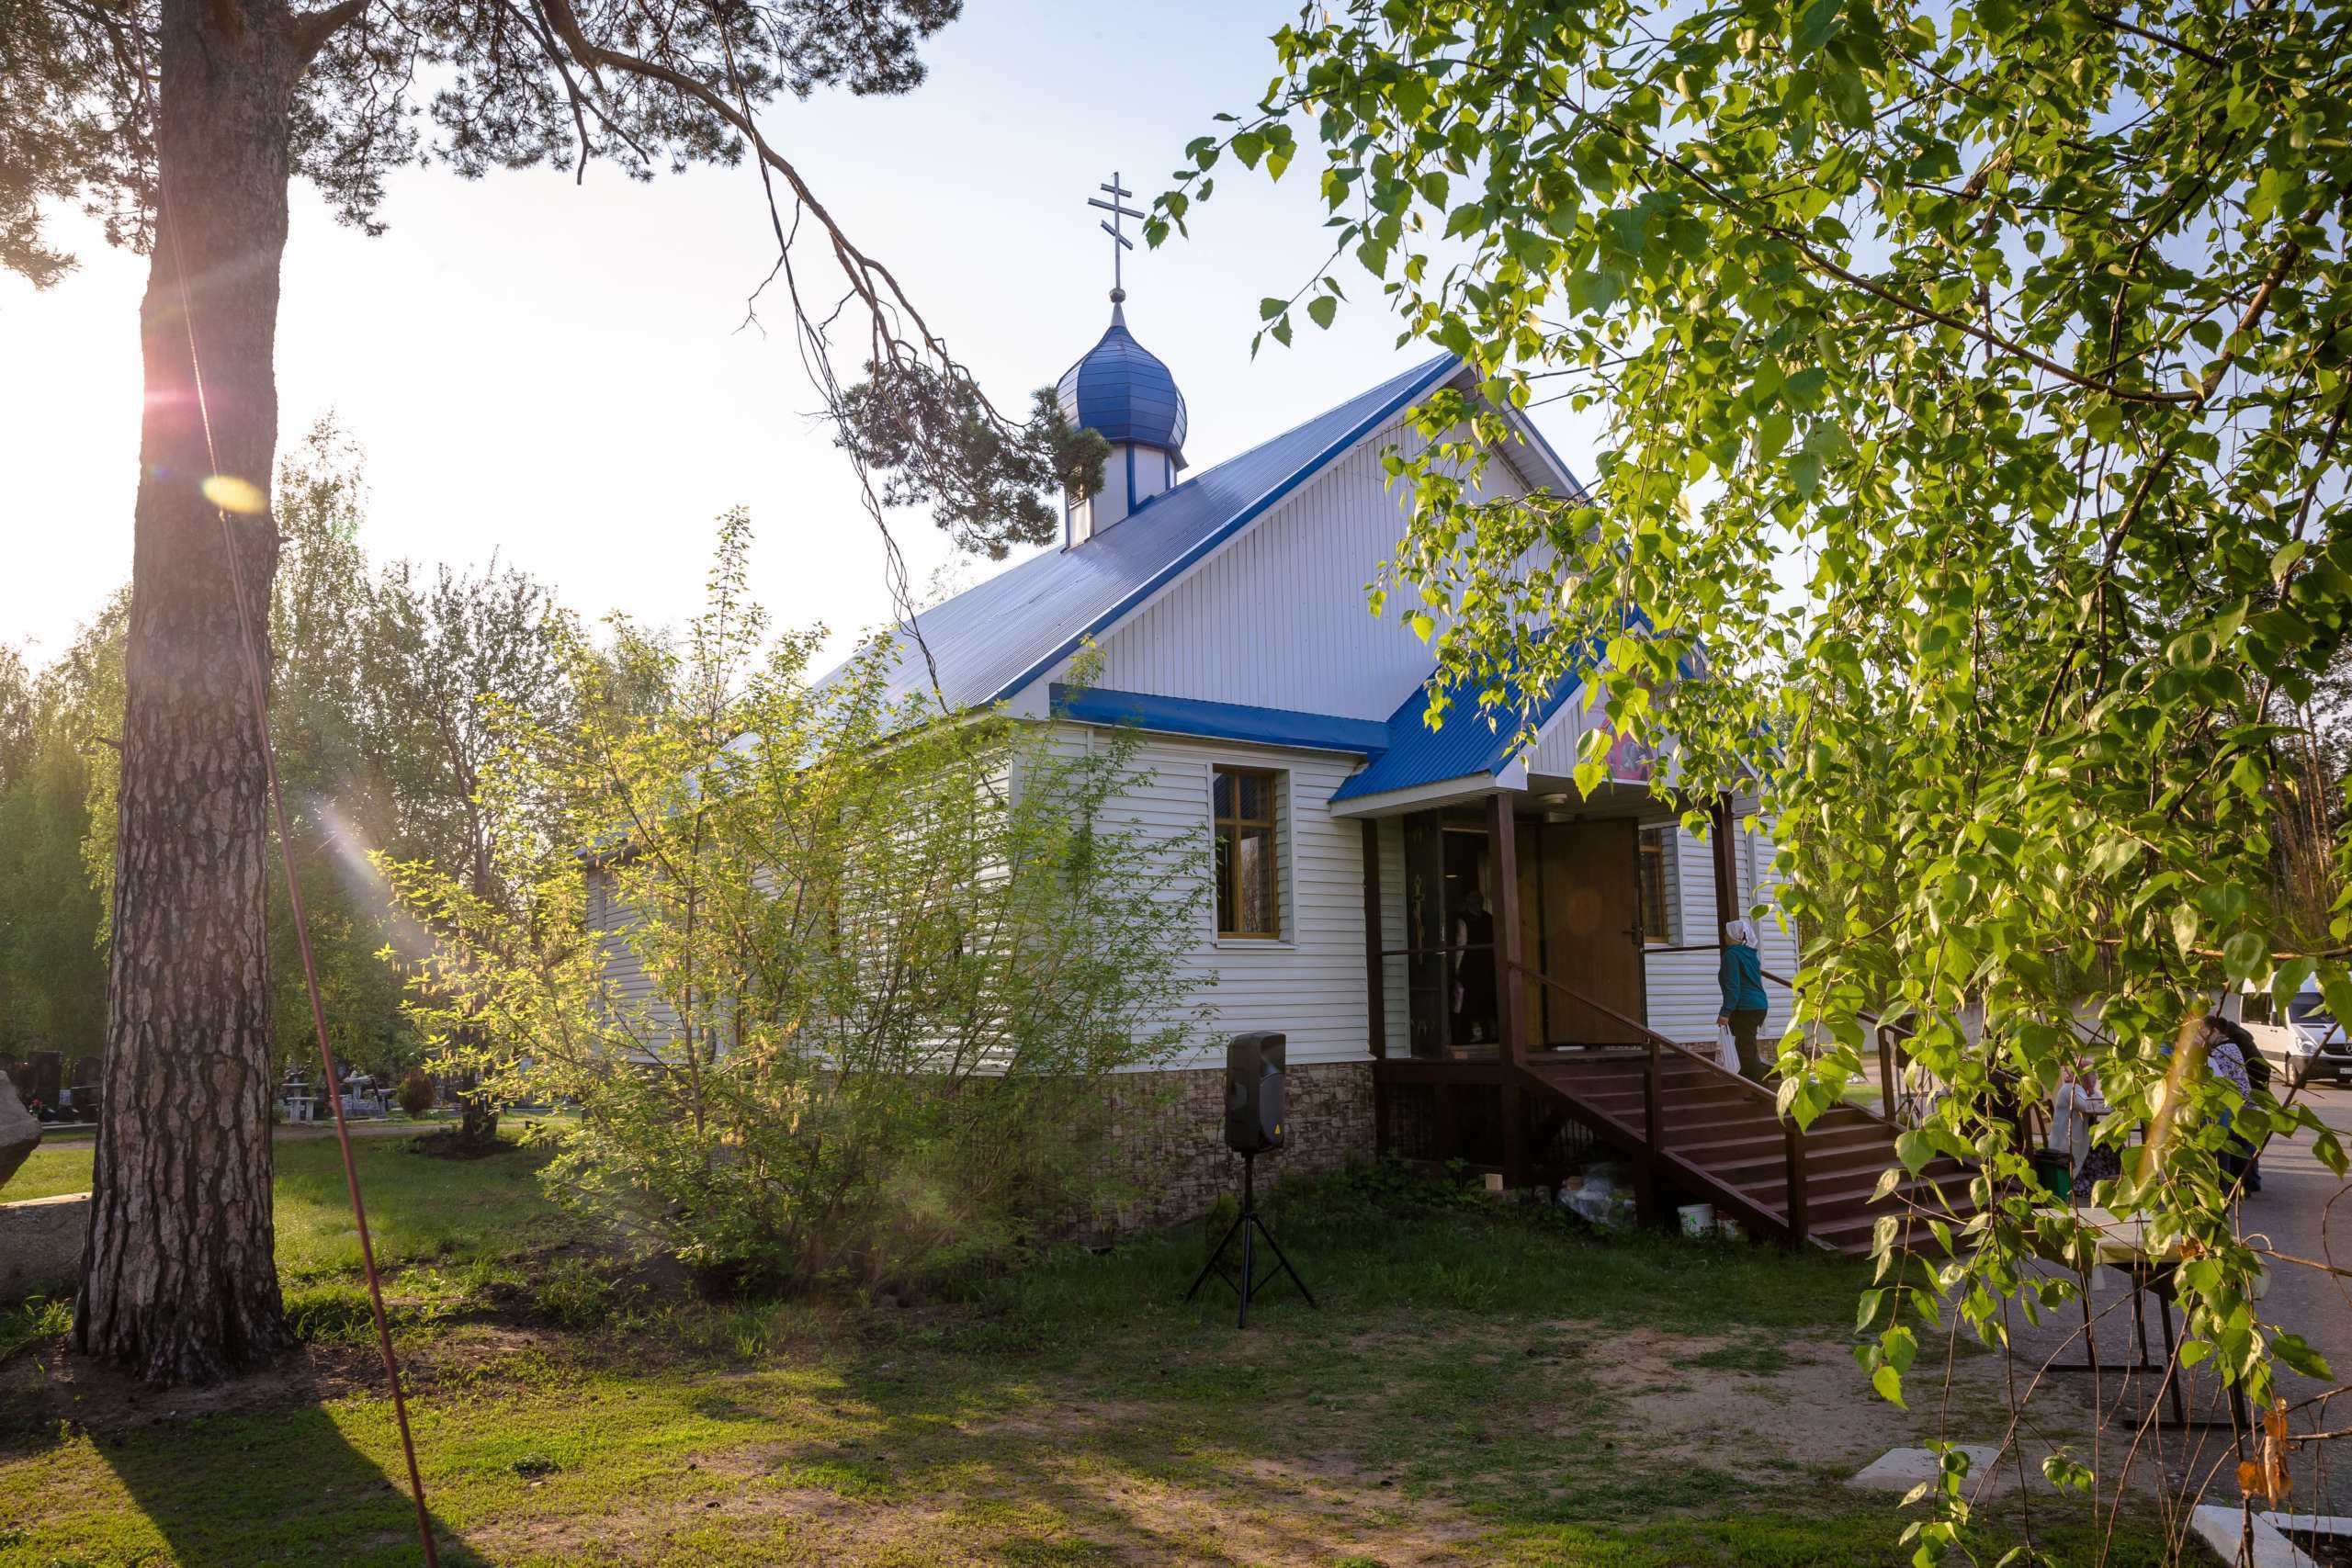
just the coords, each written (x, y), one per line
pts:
(1742, 979)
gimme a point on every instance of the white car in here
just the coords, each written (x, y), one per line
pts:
(2305, 1044)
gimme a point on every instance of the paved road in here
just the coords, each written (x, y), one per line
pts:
(2292, 1211)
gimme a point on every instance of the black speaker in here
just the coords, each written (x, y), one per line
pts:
(1254, 1092)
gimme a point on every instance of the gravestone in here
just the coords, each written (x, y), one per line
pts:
(49, 1077)
(84, 1082)
(19, 1133)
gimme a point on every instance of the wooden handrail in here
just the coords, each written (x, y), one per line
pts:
(1648, 1035)
(1653, 1037)
(1793, 1136)
(1436, 952)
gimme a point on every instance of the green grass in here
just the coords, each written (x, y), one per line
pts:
(419, 1207)
(49, 1171)
(1452, 1399)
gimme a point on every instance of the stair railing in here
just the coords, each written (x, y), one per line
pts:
(1793, 1137)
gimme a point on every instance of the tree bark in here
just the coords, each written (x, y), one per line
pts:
(178, 1280)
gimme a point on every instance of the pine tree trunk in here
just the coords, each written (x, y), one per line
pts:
(178, 1280)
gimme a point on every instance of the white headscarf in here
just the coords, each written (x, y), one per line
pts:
(1742, 931)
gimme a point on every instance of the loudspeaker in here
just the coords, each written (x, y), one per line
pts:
(1254, 1099)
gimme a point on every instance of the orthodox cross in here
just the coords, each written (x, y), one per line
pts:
(1119, 242)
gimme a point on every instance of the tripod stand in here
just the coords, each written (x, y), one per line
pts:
(1249, 1227)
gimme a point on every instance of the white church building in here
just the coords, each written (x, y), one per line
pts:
(1422, 912)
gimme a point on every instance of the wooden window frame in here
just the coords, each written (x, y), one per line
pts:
(1644, 837)
(1223, 828)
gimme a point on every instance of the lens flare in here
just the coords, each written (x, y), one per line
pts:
(365, 885)
(231, 494)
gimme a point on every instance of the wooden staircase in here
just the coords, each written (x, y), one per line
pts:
(1718, 1139)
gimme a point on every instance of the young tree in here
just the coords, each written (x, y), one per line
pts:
(1974, 381)
(833, 982)
(456, 663)
(180, 123)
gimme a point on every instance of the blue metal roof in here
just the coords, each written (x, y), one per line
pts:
(1470, 742)
(994, 638)
(1122, 391)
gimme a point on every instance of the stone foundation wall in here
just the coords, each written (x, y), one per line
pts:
(41, 1246)
(1168, 1131)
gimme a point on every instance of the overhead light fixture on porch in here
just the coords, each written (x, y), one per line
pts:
(1558, 797)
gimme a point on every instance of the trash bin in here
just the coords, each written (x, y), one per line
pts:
(2055, 1170)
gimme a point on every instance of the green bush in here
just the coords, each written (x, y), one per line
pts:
(416, 1093)
(888, 961)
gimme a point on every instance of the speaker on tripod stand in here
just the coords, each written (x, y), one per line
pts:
(1255, 1108)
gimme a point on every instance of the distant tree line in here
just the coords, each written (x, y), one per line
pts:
(382, 672)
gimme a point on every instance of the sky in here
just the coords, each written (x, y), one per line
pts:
(556, 374)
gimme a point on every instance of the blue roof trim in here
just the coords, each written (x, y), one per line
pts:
(1471, 744)
(1421, 382)
(1004, 633)
(1222, 721)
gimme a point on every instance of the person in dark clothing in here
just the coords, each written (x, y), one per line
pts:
(2231, 1054)
(1474, 1012)
(1741, 976)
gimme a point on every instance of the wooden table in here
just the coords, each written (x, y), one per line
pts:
(2122, 1245)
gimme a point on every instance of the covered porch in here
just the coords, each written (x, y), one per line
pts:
(1509, 924)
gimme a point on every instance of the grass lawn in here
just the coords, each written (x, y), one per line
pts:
(1481, 1386)
(49, 1170)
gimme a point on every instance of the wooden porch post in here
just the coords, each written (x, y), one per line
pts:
(1721, 830)
(1502, 845)
(1376, 997)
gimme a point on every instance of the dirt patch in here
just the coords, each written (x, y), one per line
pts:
(53, 1385)
(48, 1385)
(1813, 1409)
(447, 1144)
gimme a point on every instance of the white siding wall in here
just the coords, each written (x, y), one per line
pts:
(1277, 619)
(624, 971)
(1683, 992)
(1310, 984)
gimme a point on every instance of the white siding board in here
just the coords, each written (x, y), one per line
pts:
(1683, 993)
(1309, 984)
(1277, 619)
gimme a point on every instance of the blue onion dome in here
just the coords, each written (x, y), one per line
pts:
(1125, 393)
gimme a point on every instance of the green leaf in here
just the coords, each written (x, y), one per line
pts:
(2303, 1355)
(1321, 309)
(1814, 26)
(1889, 1384)
(2243, 955)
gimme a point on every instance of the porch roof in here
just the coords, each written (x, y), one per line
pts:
(1470, 742)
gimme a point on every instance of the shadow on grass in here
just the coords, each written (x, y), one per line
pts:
(285, 1486)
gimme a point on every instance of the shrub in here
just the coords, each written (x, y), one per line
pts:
(887, 959)
(416, 1092)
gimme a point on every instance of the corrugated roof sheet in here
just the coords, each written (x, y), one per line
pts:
(1470, 742)
(992, 639)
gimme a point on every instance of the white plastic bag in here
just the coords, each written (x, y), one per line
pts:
(1726, 1049)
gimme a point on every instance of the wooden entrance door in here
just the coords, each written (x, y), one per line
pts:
(1580, 923)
